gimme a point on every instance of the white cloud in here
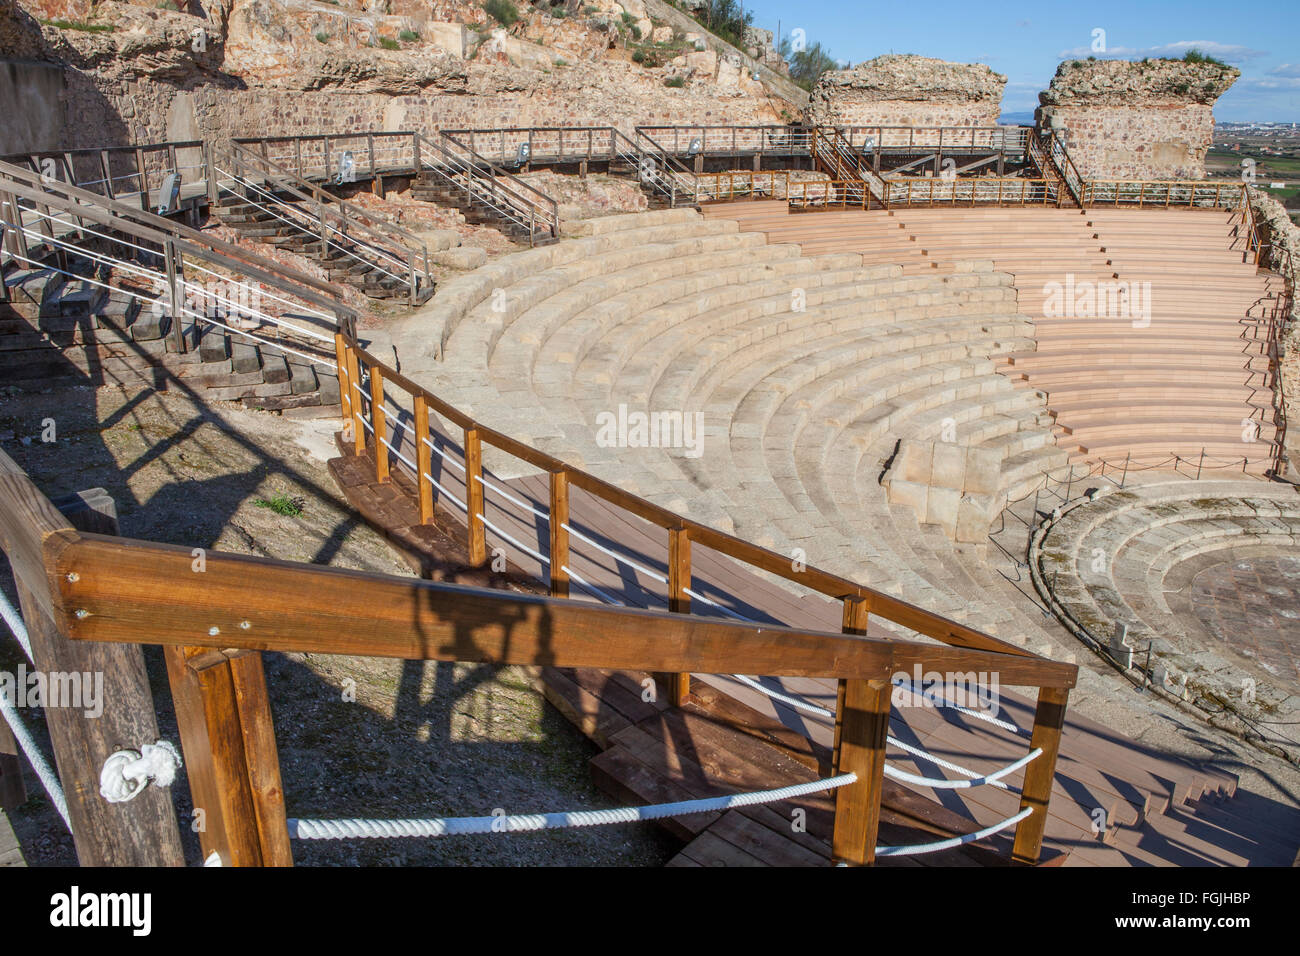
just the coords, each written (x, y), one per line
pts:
(1230, 52)
(1286, 69)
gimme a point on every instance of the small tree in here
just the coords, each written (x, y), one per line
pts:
(807, 65)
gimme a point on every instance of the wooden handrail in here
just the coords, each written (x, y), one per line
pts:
(883, 604)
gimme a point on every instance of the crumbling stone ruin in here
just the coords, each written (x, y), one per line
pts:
(908, 91)
(1152, 119)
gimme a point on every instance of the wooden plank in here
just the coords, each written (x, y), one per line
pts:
(423, 458)
(143, 831)
(256, 603)
(559, 553)
(768, 846)
(262, 757)
(708, 849)
(621, 774)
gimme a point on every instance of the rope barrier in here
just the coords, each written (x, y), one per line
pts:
(456, 826)
(917, 849)
(17, 626)
(49, 779)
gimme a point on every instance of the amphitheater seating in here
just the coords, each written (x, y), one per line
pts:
(1129, 557)
(808, 371)
(1193, 373)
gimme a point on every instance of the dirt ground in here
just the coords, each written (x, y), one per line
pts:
(420, 739)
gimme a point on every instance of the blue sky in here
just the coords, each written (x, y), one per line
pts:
(1026, 41)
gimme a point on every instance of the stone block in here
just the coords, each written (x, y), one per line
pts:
(983, 471)
(244, 357)
(462, 257)
(941, 509)
(947, 466)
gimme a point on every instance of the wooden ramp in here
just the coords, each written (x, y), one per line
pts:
(1115, 802)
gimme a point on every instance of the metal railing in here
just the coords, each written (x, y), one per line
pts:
(117, 172)
(1161, 193)
(342, 228)
(463, 169)
(865, 139)
(168, 268)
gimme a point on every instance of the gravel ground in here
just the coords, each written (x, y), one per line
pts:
(357, 736)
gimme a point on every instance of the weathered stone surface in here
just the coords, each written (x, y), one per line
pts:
(1135, 120)
(462, 257)
(908, 90)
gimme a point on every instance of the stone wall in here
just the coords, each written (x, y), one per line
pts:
(1152, 119)
(908, 91)
(261, 67)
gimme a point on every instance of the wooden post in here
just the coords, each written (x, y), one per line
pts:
(230, 753)
(358, 413)
(142, 832)
(423, 459)
(379, 420)
(13, 792)
(174, 293)
(474, 496)
(559, 556)
(861, 726)
(1036, 792)
(679, 602)
(345, 390)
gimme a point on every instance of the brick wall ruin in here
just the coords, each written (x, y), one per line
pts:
(1152, 119)
(908, 91)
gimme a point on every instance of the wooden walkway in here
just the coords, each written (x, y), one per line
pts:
(1115, 802)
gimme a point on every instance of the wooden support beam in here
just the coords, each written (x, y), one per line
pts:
(1036, 792)
(559, 556)
(229, 744)
(474, 496)
(861, 726)
(115, 711)
(423, 459)
(379, 422)
(679, 602)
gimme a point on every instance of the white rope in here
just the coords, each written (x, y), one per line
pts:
(49, 779)
(796, 702)
(127, 772)
(617, 557)
(919, 848)
(589, 587)
(939, 783)
(968, 711)
(16, 625)
(444, 456)
(456, 826)
(522, 547)
(725, 610)
(459, 504)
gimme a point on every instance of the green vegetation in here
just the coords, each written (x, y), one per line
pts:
(726, 19)
(561, 61)
(1196, 56)
(388, 44)
(282, 504)
(503, 12)
(322, 37)
(807, 66)
(80, 25)
(409, 36)
(675, 82)
(169, 5)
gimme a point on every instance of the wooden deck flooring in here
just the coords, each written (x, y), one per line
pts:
(730, 737)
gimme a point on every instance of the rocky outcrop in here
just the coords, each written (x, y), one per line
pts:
(907, 90)
(1151, 119)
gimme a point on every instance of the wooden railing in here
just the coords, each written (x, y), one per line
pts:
(1010, 139)
(323, 156)
(213, 618)
(730, 140)
(1161, 193)
(371, 388)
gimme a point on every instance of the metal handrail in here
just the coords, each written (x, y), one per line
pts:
(387, 241)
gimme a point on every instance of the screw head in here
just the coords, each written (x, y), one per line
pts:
(213, 631)
(244, 625)
(81, 612)
(74, 576)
